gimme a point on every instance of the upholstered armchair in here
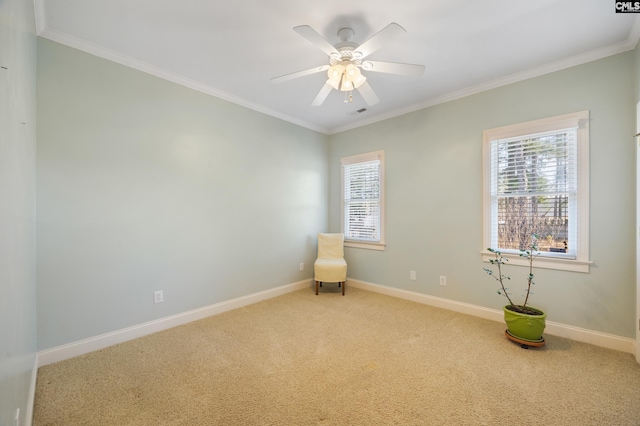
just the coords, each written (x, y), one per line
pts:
(330, 266)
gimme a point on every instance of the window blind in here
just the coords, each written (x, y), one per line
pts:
(534, 191)
(362, 213)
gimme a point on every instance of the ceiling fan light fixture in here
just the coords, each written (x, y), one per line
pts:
(354, 76)
(335, 74)
(345, 77)
(346, 86)
(352, 71)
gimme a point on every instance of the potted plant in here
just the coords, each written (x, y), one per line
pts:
(524, 323)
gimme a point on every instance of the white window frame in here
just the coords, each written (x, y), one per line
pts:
(579, 120)
(354, 159)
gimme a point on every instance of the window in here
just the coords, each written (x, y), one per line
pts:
(536, 186)
(363, 200)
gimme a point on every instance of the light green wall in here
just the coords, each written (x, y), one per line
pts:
(636, 76)
(17, 207)
(636, 73)
(146, 185)
(434, 190)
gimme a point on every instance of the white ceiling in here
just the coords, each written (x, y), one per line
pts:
(231, 49)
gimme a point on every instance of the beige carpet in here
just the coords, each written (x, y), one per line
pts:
(361, 359)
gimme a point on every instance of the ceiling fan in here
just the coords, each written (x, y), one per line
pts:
(347, 59)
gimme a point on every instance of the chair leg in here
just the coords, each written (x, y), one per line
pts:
(343, 286)
(316, 288)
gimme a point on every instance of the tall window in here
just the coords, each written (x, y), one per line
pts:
(363, 200)
(536, 186)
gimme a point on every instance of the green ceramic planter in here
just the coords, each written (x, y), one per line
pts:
(524, 326)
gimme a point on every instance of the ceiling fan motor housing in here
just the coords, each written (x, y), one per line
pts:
(346, 48)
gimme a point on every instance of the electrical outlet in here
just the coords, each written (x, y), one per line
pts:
(412, 275)
(301, 266)
(158, 296)
(443, 280)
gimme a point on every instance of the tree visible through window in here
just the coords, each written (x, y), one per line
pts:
(535, 182)
(536, 186)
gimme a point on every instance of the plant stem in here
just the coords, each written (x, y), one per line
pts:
(530, 258)
(499, 262)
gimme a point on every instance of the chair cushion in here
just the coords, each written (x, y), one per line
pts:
(330, 270)
(330, 245)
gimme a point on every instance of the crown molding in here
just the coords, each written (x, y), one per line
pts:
(40, 16)
(113, 56)
(634, 34)
(68, 40)
(99, 51)
(565, 63)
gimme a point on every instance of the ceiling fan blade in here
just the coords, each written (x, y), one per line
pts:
(368, 94)
(297, 74)
(316, 39)
(382, 37)
(322, 95)
(409, 70)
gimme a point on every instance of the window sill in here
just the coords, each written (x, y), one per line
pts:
(365, 245)
(571, 265)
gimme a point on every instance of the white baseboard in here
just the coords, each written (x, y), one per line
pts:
(81, 347)
(609, 341)
(60, 353)
(28, 415)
